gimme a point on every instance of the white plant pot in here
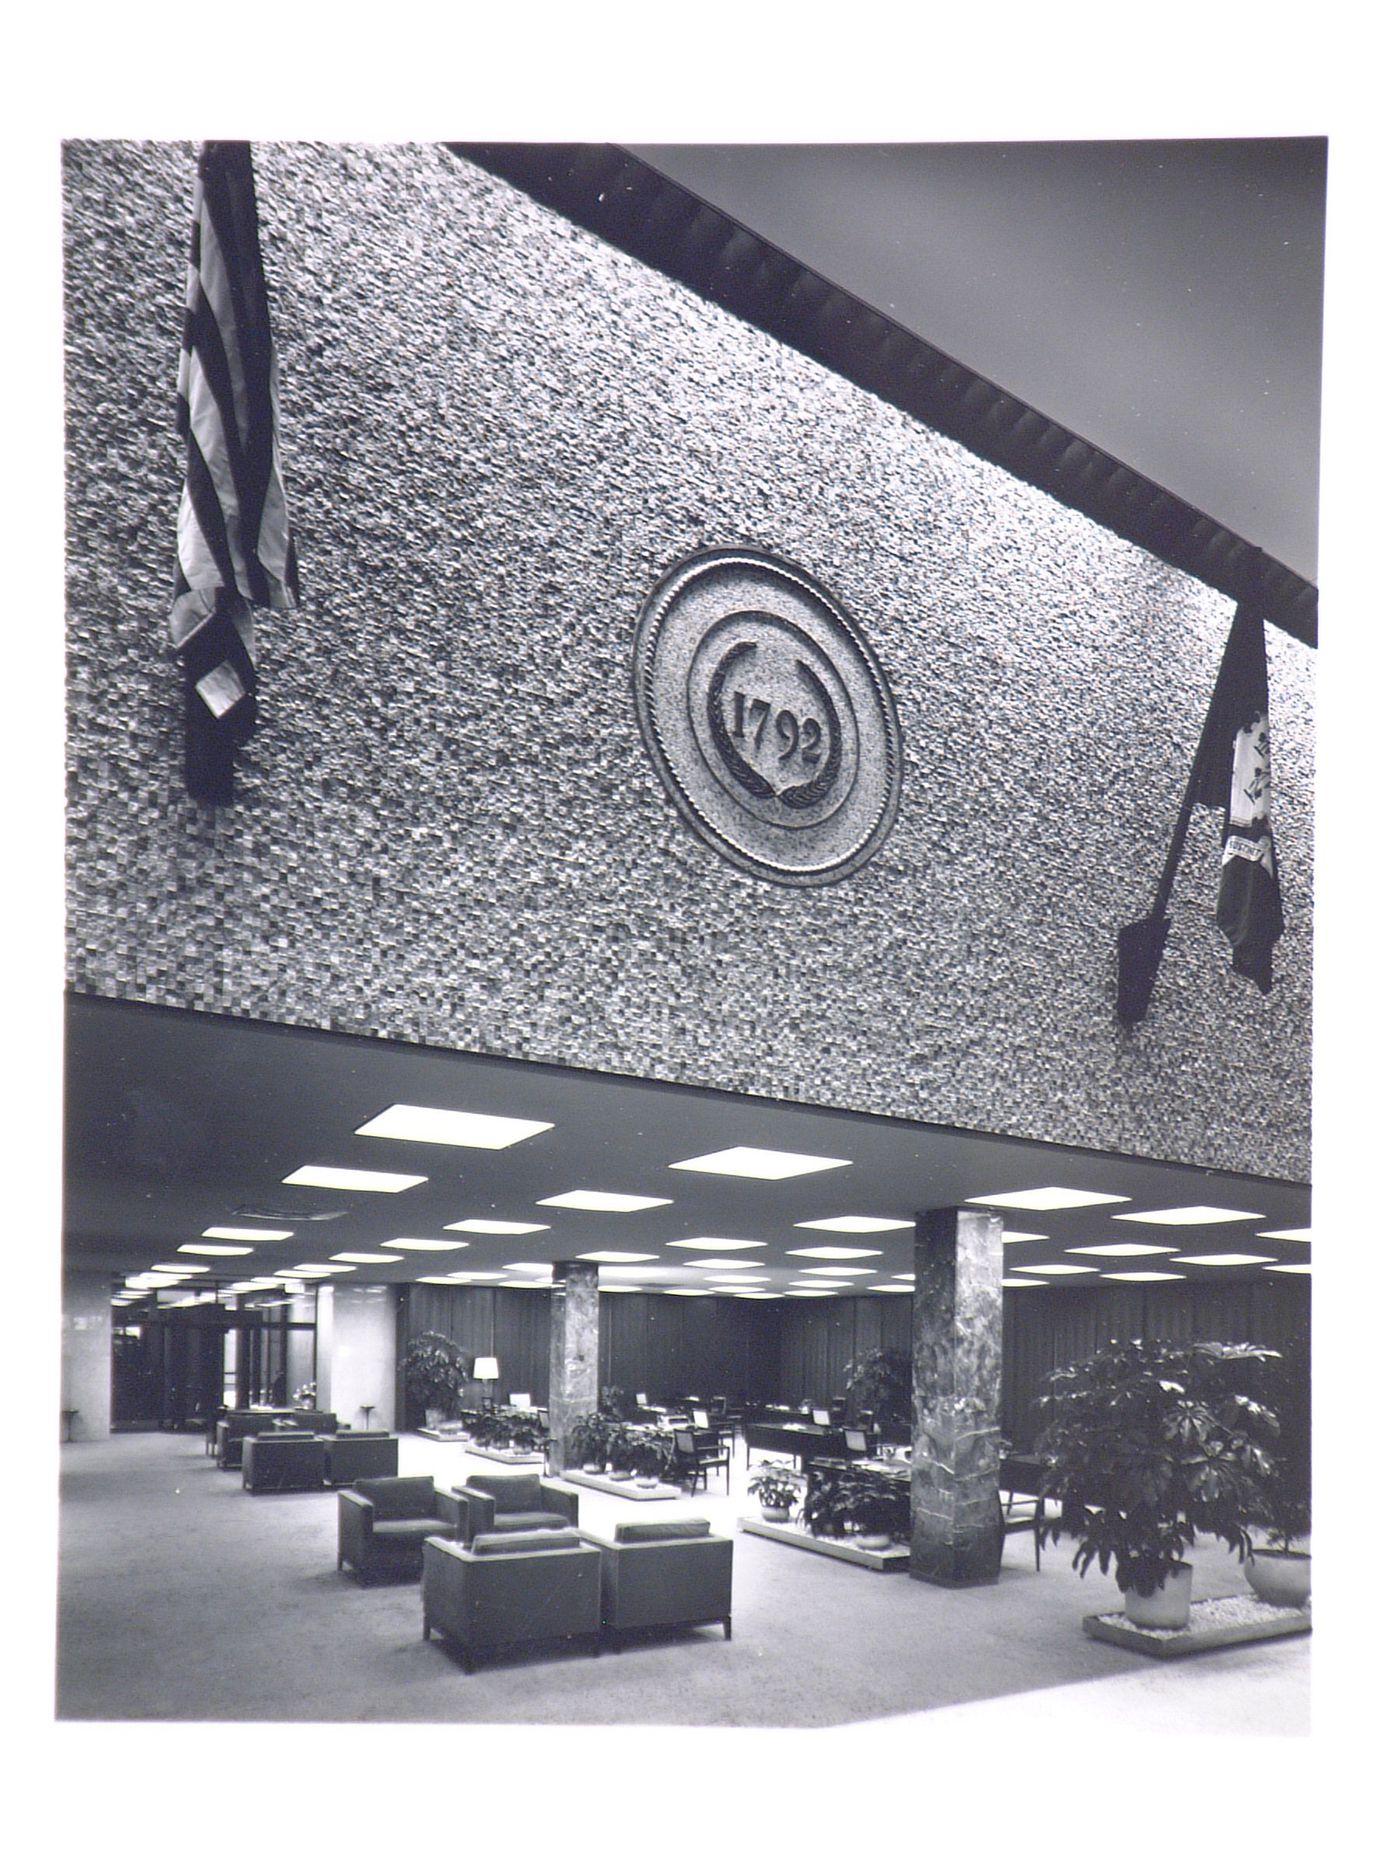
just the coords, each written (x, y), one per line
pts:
(776, 1512)
(1280, 1577)
(1168, 1606)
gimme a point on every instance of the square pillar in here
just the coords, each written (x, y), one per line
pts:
(573, 1355)
(957, 1522)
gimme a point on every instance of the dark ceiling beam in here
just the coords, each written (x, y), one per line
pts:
(631, 205)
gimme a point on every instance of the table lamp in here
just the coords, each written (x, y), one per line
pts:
(487, 1369)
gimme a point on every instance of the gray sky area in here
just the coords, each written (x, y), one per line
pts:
(1162, 299)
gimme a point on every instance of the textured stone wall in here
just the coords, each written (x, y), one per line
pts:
(498, 434)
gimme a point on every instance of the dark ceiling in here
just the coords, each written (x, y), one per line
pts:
(177, 1121)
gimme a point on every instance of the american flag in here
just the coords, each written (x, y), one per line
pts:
(1235, 777)
(234, 545)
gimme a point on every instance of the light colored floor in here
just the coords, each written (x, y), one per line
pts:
(183, 1598)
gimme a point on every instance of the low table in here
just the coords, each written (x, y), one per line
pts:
(618, 1487)
(1230, 1620)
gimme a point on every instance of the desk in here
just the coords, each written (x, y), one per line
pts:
(803, 1442)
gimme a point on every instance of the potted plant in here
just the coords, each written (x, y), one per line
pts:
(434, 1372)
(878, 1512)
(777, 1488)
(1279, 1573)
(1152, 1443)
(828, 1504)
(881, 1382)
(588, 1441)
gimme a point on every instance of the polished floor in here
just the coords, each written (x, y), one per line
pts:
(184, 1598)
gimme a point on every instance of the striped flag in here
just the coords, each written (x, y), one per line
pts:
(1235, 777)
(234, 545)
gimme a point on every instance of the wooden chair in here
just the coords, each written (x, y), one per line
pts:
(699, 1453)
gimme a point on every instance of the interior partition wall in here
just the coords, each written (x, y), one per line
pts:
(664, 1346)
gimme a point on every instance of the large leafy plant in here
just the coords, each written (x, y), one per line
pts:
(434, 1371)
(1152, 1443)
(880, 1381)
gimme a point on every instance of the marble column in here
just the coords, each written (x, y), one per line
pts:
(573, 1354)
(957, 1527)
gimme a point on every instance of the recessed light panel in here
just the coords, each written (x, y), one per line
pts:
(217, 1250)
(685, 1292)
(830, 1290)
(1056, 1269)
(495, 1227)
(1303, 1235)
(352, 1179)
(833, 1250)
(757, 1163)
(842, 1270)
(888, 1289)
(854, 1223)
(1187, 1215)
(450, 1127)
(519, 1282)
(364, 1256)
(616, 1256)
(316, 1269)
(1226, 1259)
(718, 1264)
(1022, 1282)
(762, 1295)
(1290, 1269)
(1121, 1250)
(245, 1234)
(1143, 1276)
(585, 1201)
(1024, 1237)
(396, 1244)
(729, 1244)
(1047, 1199)
(182, 1269)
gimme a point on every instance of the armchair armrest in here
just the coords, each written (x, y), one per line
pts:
(559, 1498)
(474, 1512)
(356, 1526)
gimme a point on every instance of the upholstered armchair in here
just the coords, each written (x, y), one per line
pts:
(512, 1501)
(662, 1574)
(353, 1455)
(509, 1588)
(385, 1520)
(283, 1461)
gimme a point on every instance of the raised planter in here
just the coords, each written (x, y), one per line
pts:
(894, 1560)
(1232, 1620)
(622, 1487)
(500, 1455)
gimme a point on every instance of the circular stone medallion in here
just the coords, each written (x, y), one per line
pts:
(767, 716)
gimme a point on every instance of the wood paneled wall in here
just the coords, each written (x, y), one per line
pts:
(1048, 1328)
(658, 1345)
(799, 1350)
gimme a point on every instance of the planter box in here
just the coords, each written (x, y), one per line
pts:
(1231, 1620)
(503, 1457)
(893, 1560)
(616, 1487)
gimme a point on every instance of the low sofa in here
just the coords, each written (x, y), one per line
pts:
(512, 1502)
(507, 1589)
(284, 1461)
(235, 1426)
(353, 1455)
(384, 1522)
(665, 1574)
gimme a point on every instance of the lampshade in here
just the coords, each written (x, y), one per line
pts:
(486, 1367)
